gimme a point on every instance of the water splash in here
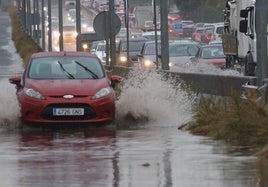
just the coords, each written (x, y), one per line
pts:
(147, 97)
(9, 108)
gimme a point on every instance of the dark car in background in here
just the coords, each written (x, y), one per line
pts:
(210, 54)
(147, 57)
(135, 46)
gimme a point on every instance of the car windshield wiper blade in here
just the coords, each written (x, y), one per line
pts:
(69, 75)
(94, 75)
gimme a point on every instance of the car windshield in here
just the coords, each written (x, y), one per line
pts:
(101, 47)
(213, 52)
(219, 30)
(150, 49)
(66, 68)
(176, 50)
(133, 46)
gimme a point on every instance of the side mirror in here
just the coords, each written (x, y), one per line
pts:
(243, 26)
(16, 81)
(115, 79)
(244, 13)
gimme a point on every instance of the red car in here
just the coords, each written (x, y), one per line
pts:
(65, 87)
(210, 54)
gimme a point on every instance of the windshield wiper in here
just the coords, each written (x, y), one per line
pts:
(94, 75)
(69, 75)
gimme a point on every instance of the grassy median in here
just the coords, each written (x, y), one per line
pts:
(238, 122)
(24, 44)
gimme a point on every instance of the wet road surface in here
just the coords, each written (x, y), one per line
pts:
(144, 157)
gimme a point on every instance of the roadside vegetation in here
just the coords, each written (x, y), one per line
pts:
(24, 44)
(237, 122)
(201, 10)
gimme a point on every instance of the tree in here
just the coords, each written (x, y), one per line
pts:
(201, 10)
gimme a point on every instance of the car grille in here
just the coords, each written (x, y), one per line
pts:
(89, 113)
(134, 59)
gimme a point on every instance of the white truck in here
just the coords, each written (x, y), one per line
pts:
(239, 45)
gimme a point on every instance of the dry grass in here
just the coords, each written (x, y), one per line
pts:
(239, 122)
(24, 44)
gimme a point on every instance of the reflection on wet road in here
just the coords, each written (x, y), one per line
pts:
(143, 157)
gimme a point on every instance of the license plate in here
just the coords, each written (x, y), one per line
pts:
(68, 111)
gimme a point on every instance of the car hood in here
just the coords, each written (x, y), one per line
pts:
(67, 86)
(150, 57)
(180, 60)
(131, 53)
(217, 61)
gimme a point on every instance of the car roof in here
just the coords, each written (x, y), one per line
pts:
(136, 39)
(61, 54)
(211, 45)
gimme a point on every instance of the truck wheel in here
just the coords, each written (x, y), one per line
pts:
(230, 61)
(250, 66)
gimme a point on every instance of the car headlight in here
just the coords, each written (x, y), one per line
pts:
(84, 25)
(33, 93)
(123, 59)
(102, 93)
(148, 63)
(85, 46)
(171, 64)
(56, 34)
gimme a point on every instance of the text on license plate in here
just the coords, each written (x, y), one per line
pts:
(68, 111)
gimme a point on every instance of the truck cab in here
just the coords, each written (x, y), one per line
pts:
(248, 27)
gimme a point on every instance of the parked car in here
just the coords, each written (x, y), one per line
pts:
(180, 54)
(135, 46)
(65, 87)
(210, 54)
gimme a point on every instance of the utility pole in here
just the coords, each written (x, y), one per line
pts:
(49, 25)
(112, 35)
(261, 32)
(155, 34)
(43, 25)
(164, 35)
(127, 27)
(78, 24)
(60, 26)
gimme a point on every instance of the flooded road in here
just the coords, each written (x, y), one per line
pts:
(144, 157)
